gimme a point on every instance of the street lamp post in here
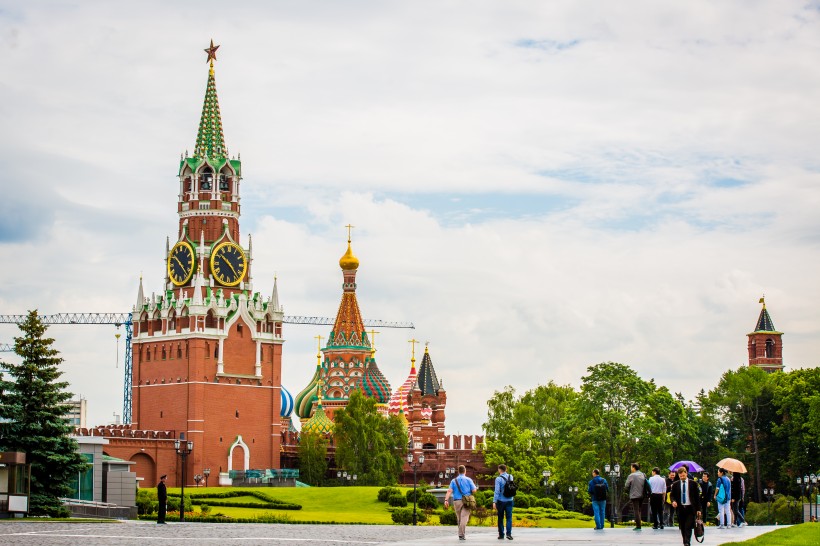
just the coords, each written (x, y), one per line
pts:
(206, 472)
(802, 486)
(614, 473)
(814, 478)
(546, 474)
(415, 467)
(769, 493)
(573, 491)
(198, 478)
(183, 449)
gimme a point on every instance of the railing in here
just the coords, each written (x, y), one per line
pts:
(83, 508)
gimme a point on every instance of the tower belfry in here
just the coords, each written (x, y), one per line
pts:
(765, 343)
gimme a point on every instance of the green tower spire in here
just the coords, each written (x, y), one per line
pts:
(210, 139)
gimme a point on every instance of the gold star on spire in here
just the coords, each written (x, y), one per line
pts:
(211, 51)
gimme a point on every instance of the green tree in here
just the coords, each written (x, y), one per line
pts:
(312, 457)
(744, 397)
(521, 432)
(368, 444)
(33, 406)
(622, 418)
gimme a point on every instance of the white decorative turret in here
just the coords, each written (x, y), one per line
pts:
(140, 299)
(274, 298)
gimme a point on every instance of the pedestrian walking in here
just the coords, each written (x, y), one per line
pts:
(738, 491)
(162, 498)
(635, 485)
(668, 511)
(658, 485)
(723, 498)
(598, 491)
(686, 499)
(707, 491)
(503, 500)
(460, 486)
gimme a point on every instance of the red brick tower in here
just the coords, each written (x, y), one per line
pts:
(426, 402)
(207, 349)
(765, 344)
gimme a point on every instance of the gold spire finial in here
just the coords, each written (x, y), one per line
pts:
(426, 350)
(348, 261)
(211, 51)
(319, 350)
(413, 357)
(763, 301)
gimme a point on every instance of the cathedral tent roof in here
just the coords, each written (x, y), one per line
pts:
(427, 380)
(320, 422)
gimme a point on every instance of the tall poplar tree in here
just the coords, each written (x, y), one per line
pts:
(33, 407)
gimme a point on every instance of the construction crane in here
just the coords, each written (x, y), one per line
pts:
(125, 319)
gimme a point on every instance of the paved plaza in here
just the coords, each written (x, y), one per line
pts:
(132, 533)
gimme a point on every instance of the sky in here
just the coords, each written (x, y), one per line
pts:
(537, 186)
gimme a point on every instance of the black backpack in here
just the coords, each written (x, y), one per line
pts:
(599, 491)
(510, 487)
(647, 489)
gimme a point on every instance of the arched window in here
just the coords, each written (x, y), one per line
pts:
(210, 320)
(207, 179)
(172, 321)
(769, 348)
(224, 183)
(164, 354)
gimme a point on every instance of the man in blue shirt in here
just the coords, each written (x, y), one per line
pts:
(598, 491)
(501, 504)
(460, 485)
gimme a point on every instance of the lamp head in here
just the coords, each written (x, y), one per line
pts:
(606, 468)
(421, 459)
(190, 446)
(409, 457)
(176, 445)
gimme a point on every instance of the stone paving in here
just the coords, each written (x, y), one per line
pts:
(129, 533)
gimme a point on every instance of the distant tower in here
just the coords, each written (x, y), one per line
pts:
(765, 345)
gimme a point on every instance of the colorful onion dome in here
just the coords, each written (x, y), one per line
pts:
(305, 399)
(287, 403)
(320, 423)
(398, 402)
(374, 384)
(349, 262)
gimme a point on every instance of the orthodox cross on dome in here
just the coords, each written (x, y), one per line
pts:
(349, 227)
(373, 340)
(413, 343)
(319, 342)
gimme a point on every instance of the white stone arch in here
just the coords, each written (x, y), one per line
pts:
(245, 449)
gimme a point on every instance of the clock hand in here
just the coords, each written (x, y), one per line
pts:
(179, 262)
(232, 269)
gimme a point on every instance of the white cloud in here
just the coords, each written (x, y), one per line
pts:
(537, 188)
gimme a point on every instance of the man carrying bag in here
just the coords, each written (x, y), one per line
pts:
(686, 499)
(462, 490)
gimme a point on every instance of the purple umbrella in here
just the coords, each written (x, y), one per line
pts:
(692, 466)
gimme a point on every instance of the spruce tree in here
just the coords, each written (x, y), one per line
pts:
(33, 407)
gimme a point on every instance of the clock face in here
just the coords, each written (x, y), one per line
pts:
(181, 263)
(228, 264)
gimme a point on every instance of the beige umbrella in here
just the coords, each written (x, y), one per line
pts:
(732, 465)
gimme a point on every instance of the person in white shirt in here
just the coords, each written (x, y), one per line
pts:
(658, 485)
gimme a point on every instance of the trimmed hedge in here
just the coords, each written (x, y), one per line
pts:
(448, 517)
(427, 500)
(386, 492)
(404, 516)
(269, 501)
(397, 500)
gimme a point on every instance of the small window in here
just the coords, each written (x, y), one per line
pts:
(223, 183)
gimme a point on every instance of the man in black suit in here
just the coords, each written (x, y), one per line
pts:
(686, 499)
(162, 498)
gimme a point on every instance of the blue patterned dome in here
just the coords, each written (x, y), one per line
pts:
(287, 403)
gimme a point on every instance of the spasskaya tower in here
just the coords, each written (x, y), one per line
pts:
(207, 349)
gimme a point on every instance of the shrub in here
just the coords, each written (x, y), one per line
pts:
(548, 503)
(404, 516)
(448, 517)
(146, 501)
(204, 508)
(417, 493)
(397, 500)
(522, 500)
(427, 500)
(386, 492)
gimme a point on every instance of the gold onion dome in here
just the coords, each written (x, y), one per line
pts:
(320, 423)
(349, 262)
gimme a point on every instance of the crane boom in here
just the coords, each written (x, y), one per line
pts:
(125, 319)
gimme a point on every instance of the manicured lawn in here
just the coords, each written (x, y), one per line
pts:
(805, 534)
(349, 505)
